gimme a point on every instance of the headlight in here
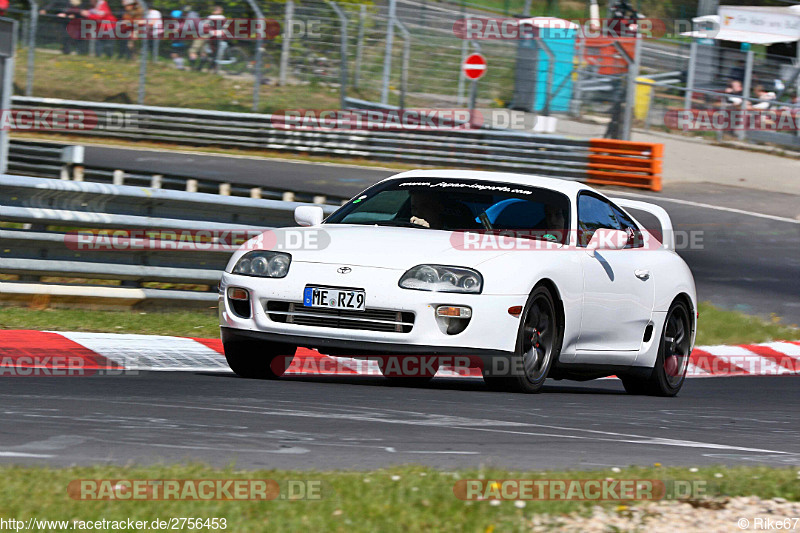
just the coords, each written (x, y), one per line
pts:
(439, 278)
(263, 264)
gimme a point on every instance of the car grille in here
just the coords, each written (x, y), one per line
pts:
(370, 319)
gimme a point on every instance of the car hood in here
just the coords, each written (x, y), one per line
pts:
(373, 246)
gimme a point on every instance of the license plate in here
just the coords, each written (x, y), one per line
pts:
(349, 299)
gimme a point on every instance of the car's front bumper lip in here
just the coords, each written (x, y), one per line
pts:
(354, 347)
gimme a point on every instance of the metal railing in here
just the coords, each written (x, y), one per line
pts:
(503, 150)
(41, 220)
(49, 160)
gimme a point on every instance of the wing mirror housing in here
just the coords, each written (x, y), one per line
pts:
(308, 215)
(607, 239)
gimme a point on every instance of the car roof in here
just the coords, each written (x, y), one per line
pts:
(568, 187)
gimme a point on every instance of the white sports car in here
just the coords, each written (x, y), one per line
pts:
(528, 277)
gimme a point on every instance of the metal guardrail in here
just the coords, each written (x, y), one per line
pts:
(547, 155)
(40, 218)
(47, 160)
(487, 149)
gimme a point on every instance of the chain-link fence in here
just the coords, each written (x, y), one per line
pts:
(411, 57)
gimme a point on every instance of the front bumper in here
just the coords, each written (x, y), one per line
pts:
(491, 329)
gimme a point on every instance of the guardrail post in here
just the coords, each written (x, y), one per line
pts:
(225, 189)
(287, 39)
(6, 90)
(406, 60)
(687, 98)
(155, 182)
(387, 54)
(31, 46)
(362, 16)
(342, 54)
(143, 58)
(259, 43)
(191, 185)
(630, 84)
(748, 80)
(118, 177)
(551, 59)
(320, 199)
(77, 173)
(255, 193)
(288, 196)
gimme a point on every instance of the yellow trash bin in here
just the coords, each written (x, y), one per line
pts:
(642, 103)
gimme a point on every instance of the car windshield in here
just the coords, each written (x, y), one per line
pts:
(460, 205)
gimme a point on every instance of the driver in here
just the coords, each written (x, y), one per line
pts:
(430, 209)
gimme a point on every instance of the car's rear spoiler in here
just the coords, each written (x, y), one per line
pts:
(667, 235)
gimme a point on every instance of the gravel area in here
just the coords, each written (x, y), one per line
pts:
(702, 516)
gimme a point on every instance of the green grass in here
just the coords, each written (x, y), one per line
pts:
(100, 79)
(716, 326)
(409, 498)
(719, 326)
(177, 323)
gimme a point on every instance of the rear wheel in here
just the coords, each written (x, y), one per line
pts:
(669, 372)
(258, 360)
(538, 347)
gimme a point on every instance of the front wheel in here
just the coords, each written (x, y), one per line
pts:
(538, 347)
(258, 360)
(669, 372)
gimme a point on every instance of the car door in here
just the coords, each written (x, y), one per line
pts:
(618, 285)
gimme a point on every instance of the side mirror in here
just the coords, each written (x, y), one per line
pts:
(308, 215)
(607, 239)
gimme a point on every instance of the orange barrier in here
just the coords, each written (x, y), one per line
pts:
(626, 163)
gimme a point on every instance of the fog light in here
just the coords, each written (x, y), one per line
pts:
(235, 293)
(453, 311)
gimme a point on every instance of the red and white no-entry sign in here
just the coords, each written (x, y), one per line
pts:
(474, 66)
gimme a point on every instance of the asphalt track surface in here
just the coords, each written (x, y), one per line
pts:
(746, 263)
(361, 422)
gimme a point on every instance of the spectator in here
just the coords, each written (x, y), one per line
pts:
(737, 72)
(735, 90)
(765, 98)
(101, 13)
(65, 11)
(133, 12)
(201, 54)
(155, 23)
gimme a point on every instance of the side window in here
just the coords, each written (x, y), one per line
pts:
(593, 214)
(635, 237)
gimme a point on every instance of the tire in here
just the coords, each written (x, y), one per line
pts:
(669, 372)
(538, 346)
(397, 378)
(258, 360)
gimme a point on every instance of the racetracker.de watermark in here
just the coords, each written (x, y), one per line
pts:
(46, 119)
(607, 489)
(44, 363)
(226, 240)
(195, 489)
(733, 119)
(564, 240)
(239, 29)
(503, 28)
(375, 119)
